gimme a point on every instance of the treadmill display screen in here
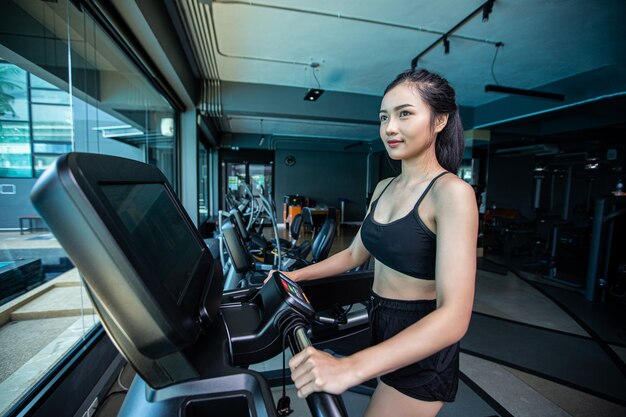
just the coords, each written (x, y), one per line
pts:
(157, 231)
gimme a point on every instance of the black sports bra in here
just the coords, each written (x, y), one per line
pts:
(405, 245)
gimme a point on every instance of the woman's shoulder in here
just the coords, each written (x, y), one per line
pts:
(380, 187)
(452, 189)
(384, 183)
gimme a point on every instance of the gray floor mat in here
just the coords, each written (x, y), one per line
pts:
(571, 360)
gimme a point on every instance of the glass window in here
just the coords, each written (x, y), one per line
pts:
(236, 177)
(260, 178)
(113, 109)
(13, 92)
(42, 162)
(203, 185)
(36, 82)
(15, 151)
(56, 148)
(52, 123)
(49, 96)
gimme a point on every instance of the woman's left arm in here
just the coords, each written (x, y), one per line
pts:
(457, 233)
(457, 228)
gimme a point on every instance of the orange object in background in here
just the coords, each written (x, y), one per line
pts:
(292, 206)
(289, 212)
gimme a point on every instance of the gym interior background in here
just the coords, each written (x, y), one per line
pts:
(213, 93)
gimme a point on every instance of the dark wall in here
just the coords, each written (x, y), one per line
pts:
(12, 206)
(388, 167)
(510, 183)
(511, 179)
(325, 177)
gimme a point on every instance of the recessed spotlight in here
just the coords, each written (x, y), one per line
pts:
(313, 94)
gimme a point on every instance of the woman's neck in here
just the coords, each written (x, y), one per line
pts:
(420, 169)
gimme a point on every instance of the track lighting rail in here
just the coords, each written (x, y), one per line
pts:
(485, 9)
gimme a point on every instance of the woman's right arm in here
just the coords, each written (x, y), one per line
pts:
(339, 263)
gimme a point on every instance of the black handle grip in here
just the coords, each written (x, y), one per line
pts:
(321, 404)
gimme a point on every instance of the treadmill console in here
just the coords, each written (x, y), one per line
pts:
(256, 324)
(294, 296)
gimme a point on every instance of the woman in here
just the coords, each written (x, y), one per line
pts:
(421, 228)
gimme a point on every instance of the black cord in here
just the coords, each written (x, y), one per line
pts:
(286, 327)
(498, 46)
(285, 336)
(318, 81)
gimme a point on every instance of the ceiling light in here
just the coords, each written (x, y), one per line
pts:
(262, 139)
(487, 8)
(313, 94)
(446, 45)
(491, 88)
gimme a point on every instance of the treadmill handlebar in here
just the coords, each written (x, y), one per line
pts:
(321, 404)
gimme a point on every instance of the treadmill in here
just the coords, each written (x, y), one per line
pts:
(159, 294)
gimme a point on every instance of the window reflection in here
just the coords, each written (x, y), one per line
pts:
(13, 93)
(112, 109)
(49, 96)
(203, 184)
(15, 152)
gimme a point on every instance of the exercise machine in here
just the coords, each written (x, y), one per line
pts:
(158, 291)
(568, 228)
(601, 252)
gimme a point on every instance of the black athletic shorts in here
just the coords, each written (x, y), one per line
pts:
(435, 378)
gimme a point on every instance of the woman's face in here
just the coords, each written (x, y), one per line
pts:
(405, 123)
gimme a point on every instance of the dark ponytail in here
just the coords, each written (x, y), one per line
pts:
(439, 95)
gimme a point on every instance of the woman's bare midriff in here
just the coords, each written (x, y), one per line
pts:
(389, 283)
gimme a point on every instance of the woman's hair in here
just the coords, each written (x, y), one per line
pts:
(439, 95)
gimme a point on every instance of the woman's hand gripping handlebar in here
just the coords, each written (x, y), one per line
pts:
(321, 404)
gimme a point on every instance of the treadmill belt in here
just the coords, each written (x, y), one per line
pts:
(570, 360)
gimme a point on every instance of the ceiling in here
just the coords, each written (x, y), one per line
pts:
(278, 49)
